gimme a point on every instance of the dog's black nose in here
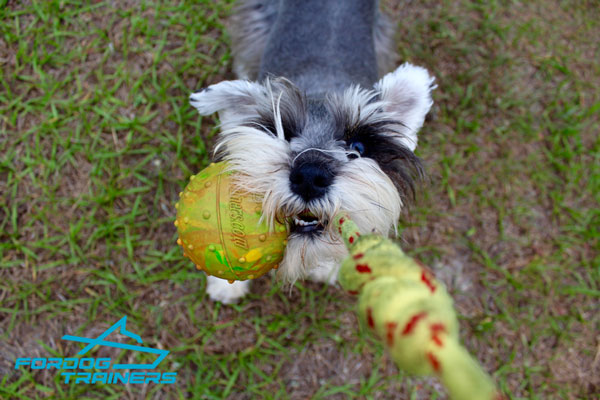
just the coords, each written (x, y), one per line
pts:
(310, 181)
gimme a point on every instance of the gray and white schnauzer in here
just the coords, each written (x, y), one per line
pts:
(310, 126)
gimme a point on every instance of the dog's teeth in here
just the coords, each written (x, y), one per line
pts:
(300, 222)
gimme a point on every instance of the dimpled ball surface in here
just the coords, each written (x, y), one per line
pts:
(219, 228)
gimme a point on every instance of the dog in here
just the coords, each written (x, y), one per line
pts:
(311, 127)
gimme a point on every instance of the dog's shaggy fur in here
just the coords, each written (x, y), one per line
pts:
(314, 132)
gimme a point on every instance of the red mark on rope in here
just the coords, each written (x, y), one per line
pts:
(410, 325)
(436, 329)
(357, 234)
(351, 239)
(353, 292)
(340, 229)
(341, 220)
(427, 278)
(390, 328)
(357, 256)
(370, 321)
(435, 363)
(363, 268)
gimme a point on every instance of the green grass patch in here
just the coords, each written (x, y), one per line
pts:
(97, 140)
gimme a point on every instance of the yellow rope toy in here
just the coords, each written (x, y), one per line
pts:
(405, 306)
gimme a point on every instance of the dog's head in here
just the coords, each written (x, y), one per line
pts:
(312, 157)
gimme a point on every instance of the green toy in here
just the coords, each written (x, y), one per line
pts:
(402, 303)
(220, 229)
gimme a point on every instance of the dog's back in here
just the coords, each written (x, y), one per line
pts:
(320, 45)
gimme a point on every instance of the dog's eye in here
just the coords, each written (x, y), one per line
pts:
(358, 147)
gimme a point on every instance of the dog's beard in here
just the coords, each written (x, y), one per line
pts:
(262, 163)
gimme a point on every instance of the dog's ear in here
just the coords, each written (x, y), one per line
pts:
(406, 94)
(229, 98)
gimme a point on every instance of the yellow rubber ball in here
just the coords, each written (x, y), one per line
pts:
(220, 230)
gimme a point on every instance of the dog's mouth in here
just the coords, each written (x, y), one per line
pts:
(307, 223)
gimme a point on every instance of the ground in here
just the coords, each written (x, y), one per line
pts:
(97, 139)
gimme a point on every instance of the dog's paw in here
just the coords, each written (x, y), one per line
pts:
(227, 293)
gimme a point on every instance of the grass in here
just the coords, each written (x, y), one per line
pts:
(97, 139)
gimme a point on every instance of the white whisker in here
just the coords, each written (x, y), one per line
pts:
(324, 151)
